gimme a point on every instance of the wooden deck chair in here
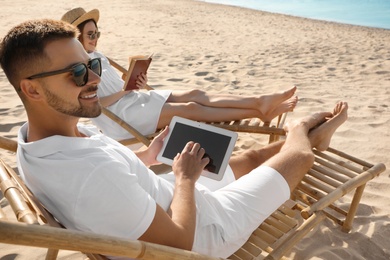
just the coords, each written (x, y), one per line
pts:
(29, 210)
(43, 230)
(332, 189)
(250, 125)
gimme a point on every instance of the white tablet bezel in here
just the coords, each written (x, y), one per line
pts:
(233, 137)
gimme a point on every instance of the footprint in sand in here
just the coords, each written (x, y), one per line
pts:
(202, 73)
(174, 80)
(212, 79)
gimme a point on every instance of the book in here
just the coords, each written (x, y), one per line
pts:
(137, 65)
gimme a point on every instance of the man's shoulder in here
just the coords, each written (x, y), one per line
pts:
(54, 144)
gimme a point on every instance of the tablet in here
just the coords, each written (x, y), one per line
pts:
(217, 142)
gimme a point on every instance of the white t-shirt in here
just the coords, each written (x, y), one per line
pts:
(141, 109)
(95, 184)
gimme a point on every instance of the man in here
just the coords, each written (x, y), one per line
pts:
(92, 183)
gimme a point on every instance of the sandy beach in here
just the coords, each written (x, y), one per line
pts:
(240, 51)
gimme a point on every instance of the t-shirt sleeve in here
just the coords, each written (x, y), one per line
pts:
(114, 204)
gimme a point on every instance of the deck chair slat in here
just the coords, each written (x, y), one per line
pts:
(242, 254)
(350, 158)
(340, 168)
(273, 231)
(325, 178)
(310, 192)
(330, 174)
(252, 249)
(317, 184)
(260, 242)
(339, 218)
(283, 218)
(283, 227)
(235, 257)
(267, 237)
(286, 208)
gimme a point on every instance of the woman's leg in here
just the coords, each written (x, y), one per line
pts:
(197, 112)
(267, 106)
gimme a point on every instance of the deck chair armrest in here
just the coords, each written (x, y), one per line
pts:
(8, 144)
(58, 238)
(126, 126)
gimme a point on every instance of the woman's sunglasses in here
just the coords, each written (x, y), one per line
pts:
(93, 36)
(79, 71)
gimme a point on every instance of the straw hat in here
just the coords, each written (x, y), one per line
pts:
(79, 15)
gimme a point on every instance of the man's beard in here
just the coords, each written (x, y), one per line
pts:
(61, 105)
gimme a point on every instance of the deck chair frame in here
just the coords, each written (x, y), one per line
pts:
(336, 179)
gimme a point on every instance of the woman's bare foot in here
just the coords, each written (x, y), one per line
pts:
(321, 135)
(286, 106)
(272, 105)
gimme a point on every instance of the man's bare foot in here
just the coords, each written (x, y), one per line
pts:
(272, 105)
(309, 122)
(321, 135)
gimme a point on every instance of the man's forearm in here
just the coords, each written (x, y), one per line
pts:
(183, 210)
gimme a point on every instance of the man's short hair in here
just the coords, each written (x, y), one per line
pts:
(22, 50)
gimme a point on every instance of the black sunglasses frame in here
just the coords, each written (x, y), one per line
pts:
(72, 69)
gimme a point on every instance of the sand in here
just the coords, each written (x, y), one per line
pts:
(240, 51)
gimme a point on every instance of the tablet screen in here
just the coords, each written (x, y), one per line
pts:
(215, 144)
(218, 144)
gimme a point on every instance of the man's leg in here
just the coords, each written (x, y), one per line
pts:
(293, 157)
(248, 201)
(245, 162)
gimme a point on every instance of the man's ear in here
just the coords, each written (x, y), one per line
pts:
(30, 89)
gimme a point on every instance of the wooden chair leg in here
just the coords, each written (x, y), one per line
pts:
(352, 209)
(51, 254)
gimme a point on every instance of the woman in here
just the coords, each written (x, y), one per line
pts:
(151, 110)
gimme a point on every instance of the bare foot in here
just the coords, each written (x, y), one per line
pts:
(279, 102)
(286, 106)
(321, 135)
(308, 122)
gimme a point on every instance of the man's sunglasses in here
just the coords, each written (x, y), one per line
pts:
(93, 36)
(79, 71)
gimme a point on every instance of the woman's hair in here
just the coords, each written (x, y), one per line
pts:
(81, 28)
(22, 50)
